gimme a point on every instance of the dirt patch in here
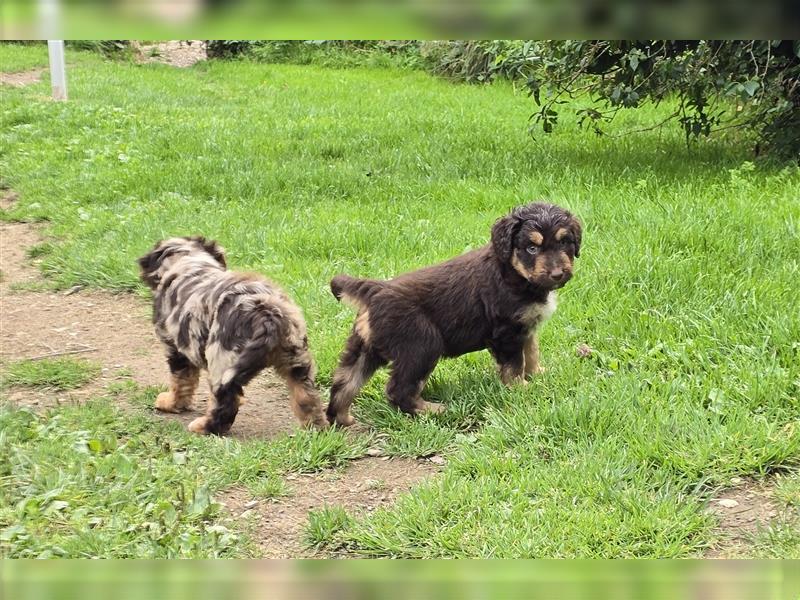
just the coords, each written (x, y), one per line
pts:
(15, 239)
(742, 511)
(177, 53)
(8, 199)
(21, 79)
(116, 328)
(367, 484)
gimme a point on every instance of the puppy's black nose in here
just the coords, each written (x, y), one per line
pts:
(557, 275)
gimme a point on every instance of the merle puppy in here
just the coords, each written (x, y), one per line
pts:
(232, 324)
(494, 297)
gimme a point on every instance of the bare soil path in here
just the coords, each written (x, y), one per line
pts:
(741, 510)
(177, 53)
(22, 78)
(366, 485)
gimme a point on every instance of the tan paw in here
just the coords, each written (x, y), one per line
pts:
(345, 420)
(165, 402)
(515, 381)
(199, 425)
(318, 422)
(430, 407)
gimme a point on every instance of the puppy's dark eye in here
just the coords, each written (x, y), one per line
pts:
(566, 242)
(532, 249)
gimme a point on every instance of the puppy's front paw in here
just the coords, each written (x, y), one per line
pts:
(318, 422)
(165, 402)
(429, 407)
(345, 420)
(199, 425)
(512, 378)
(512, 375)
(515, 382)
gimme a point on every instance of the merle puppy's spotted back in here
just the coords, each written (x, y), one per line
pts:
(232, 324)
(494, 297)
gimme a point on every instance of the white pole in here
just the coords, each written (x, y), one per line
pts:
(58, 70)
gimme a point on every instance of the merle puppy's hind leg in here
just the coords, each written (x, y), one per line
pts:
(357, 364)
(298, 370)
(223, 406)
(228, 373)
(183, 383)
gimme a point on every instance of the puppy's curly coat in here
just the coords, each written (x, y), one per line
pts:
(232, 324)
(494, 297)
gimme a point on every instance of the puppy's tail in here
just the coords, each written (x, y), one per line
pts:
(355, 291)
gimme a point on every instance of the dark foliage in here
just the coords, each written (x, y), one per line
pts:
(230, 48)
(748, 84)
(107, 47)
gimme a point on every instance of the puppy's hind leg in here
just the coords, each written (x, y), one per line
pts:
(297, 369)
(296, 366)
(222, 410)
(228, 373)
(183, 383)
(357, 364)
(404, 388)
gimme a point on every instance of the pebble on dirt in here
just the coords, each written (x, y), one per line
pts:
(728, 503)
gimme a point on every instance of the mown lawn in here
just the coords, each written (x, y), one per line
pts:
(94, 481)
(19, 57)
(686, 290)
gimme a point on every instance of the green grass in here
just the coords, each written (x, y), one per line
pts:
(93, 480)
(787, 489)
(781, 537)
(88, 482)
(686, 288)
(324, 524)
(51, 373)
(249, 463)
(19, 57)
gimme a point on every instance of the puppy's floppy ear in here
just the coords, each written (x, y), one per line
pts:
(577, 231)
(149, 264)
(145, 262)
(213, 248)
(503, 232)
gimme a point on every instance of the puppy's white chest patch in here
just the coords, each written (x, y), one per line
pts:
(538, 312)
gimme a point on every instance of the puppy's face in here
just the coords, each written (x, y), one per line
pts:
(540, 242)
(163, 256)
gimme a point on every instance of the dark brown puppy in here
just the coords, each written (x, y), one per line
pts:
(232, 324)
(492, 298)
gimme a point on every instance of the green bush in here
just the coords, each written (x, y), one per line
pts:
(230, 48)
(719, 84)
(482, 61)
(105, 47)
